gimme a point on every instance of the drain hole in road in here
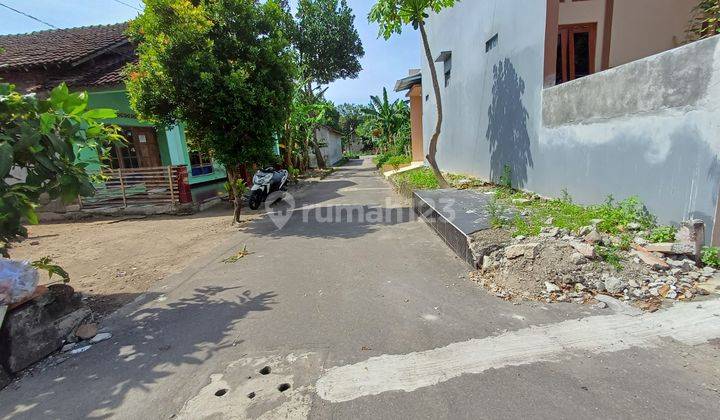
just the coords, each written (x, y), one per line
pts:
(251, 395)
(265, 370)
(283, 387)
(220, 392)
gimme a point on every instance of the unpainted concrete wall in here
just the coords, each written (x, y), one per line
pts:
(649, 128)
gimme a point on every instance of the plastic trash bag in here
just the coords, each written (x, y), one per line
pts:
(18, 280)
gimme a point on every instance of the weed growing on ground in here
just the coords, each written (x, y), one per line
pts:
(610, 255)
(506, 177)
(662, 234)
(710, 256)
(610, 217)
(496, 212)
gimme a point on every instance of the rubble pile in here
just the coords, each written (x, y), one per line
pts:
(563, 266)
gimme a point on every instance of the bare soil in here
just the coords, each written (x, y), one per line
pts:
(113, 260)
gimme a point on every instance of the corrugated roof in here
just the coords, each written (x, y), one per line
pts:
(407, 82)
(59, 46)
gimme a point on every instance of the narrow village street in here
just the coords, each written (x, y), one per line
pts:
(371, 317)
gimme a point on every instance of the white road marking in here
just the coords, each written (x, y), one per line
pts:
(689, 323)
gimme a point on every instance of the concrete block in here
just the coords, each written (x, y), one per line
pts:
(672, 248)
(5, 378)
(36, 329)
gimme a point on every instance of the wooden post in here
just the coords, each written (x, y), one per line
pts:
(551, 41)
(122, 187)
(170, 183)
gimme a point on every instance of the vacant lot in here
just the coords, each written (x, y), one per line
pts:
(112, 261)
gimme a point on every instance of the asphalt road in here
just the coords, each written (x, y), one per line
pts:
(372, 317)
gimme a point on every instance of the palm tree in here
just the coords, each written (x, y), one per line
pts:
(391, 15)
(387, 117)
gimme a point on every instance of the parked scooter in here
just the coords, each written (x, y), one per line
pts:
(265, 182)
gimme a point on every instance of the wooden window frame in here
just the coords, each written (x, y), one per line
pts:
(568, 48)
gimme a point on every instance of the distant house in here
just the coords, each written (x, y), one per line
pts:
(591, 97)
(413, 84)
(92, 58)
(330, 141)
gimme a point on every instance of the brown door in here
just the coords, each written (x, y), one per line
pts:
(146, 145)
(576, 51)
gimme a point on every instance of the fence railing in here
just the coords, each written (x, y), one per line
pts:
(140, 186)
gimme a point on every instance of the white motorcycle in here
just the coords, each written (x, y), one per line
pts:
(265, 182)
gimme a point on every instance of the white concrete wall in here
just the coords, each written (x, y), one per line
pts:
(467, 135)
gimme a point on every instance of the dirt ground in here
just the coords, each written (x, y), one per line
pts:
(113, 260)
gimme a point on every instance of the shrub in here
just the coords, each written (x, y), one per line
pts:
(710, 256)
(662, 234)
(396, 161)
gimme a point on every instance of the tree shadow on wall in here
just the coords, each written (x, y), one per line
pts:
(507, 129)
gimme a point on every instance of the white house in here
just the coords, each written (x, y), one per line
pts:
(330, 141)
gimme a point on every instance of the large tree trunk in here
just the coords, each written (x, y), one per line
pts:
(438, 102)
(234, 173)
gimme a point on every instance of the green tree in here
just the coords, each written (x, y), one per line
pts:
(328, 48)
(387, 118)
(351, 117)
(705, 20)
(222, 67)
(391, 16)
(42, 144)
(328, 44)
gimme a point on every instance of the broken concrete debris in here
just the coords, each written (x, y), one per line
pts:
(562, 266)
(527, 250)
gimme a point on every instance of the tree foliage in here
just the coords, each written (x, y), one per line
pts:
(705, 20)
(41, 144)
(388, 119)
(391, 16)
(327, 42)
(222, 67)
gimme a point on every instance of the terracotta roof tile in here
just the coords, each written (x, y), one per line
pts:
(58, 46)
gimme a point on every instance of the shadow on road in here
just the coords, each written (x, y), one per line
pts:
(152, 343)
(341, 221)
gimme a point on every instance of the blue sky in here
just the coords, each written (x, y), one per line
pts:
(384, 61)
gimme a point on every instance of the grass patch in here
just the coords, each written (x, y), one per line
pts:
(610, 217)
(416, 179)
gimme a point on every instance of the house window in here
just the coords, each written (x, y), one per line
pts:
(491, 43)
(124, 156)
(200, 164)
(448, 71)
(575, 51)
(445, 57)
